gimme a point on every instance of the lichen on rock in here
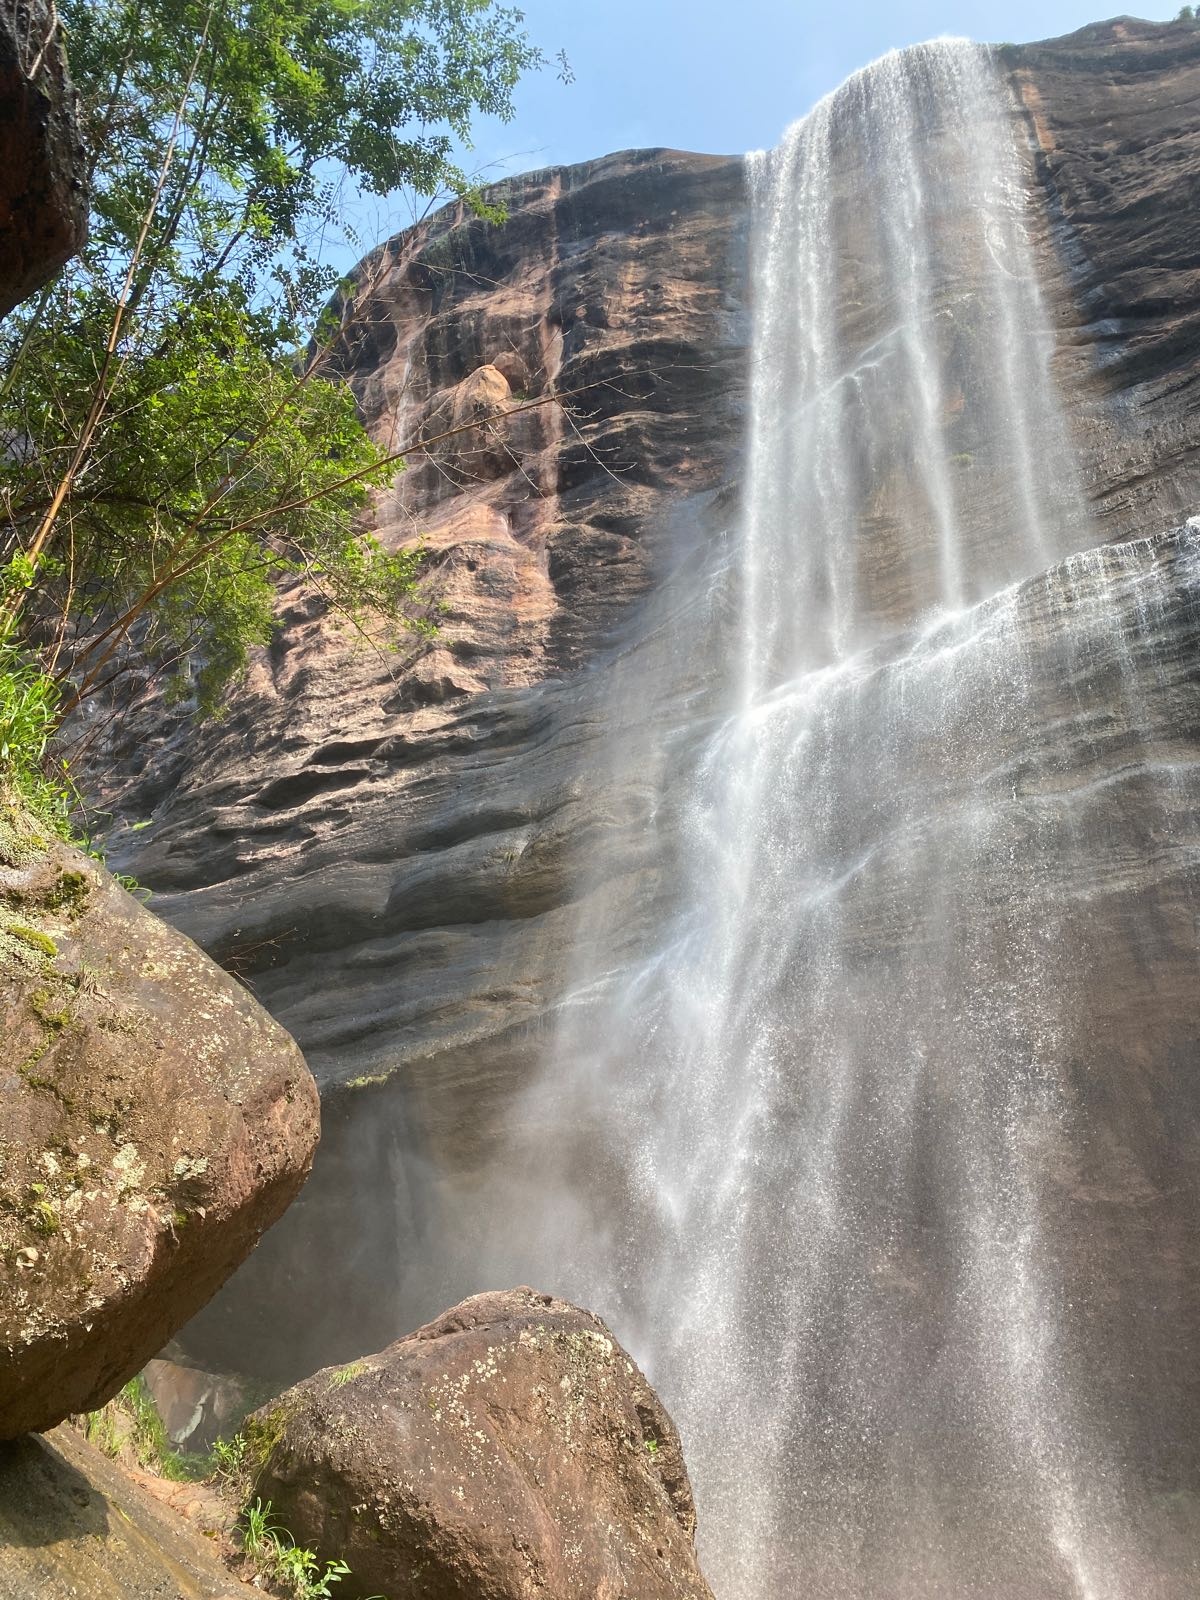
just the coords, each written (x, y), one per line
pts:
(156, 1120)
(510, 1447)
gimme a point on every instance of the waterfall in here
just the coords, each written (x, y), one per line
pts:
(829, 1127)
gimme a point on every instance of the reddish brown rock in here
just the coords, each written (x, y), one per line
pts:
(155, 1122)
(394, 850)
(510, 1448)
(359, 814)
(1111, 114)
(43, 202)
(75, 1525)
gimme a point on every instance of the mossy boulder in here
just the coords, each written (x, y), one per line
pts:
(510, 1448)
(155, 1121)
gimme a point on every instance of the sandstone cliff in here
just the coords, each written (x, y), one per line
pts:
(381, 845)
(157, 1119)
(1111, 113)
(387, 848)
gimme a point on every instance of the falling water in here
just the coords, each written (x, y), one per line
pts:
(831, 1128)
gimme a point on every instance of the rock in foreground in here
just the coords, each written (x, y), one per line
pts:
(76, 1526)
(43, 200)
(508, 1449)
(155, 1121)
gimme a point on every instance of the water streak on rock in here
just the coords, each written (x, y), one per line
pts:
(839, 1110)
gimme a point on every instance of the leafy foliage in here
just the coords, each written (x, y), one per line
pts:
(130, 1426)
(170, 446)
(298, 1571)
(28, 713)
(131, 1421)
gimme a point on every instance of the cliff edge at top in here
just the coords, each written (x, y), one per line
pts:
(1111, 112)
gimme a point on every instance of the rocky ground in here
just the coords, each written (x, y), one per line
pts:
(75, 1524)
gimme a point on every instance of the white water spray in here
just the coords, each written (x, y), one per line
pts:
(819, 1145)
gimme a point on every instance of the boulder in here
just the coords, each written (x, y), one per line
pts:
(155, 1121)
(43, 200)
(478, 448)
(510, 1448)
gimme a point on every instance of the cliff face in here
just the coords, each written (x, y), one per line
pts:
(380, 843)
(387, 847)
(1112, 117)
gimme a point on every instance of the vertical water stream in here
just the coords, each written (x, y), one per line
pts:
(825, 1138)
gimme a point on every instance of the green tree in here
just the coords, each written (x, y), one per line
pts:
(170, 446)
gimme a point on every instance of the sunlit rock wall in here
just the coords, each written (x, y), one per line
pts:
(377, 842)
(384, 846)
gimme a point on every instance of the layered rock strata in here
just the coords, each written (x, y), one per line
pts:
(388, 848)
(386, 845)
(1111, 117)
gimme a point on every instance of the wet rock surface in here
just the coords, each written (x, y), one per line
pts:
(156, 1121)
(43, 201)
(388, 848)
(508, 1448)
(381, 844)
(1111, 114)
(76, 1526)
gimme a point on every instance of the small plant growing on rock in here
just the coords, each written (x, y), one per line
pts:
(43, 1215)
(347, 1374)
(258, 1532)
(229, 1462)
(299, 1570)
(281, 1561)
(34, 938)
(131, 1423)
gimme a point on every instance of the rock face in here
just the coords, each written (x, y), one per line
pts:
(156, 1120)
(76, 1526)
(508, 1448)
(393, 850)
(43, 202)
(1111, 115)
(360, 816)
